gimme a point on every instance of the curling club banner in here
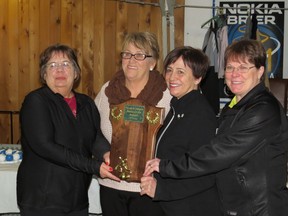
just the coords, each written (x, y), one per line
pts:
(270, 28)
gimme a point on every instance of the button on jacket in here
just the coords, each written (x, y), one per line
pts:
(249, 155)
(57, 164)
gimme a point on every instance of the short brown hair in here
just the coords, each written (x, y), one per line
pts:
(47, 54)
(193, 58)
(247, 50)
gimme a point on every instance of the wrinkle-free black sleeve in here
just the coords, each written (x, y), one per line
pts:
(258, 124)
(38, 131)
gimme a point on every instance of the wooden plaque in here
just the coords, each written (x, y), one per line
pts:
(134, 128)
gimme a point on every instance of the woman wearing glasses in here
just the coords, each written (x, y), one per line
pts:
(249, 152)
(60, 131)
(137, 79)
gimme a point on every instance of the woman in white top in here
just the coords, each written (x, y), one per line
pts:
(137, 79)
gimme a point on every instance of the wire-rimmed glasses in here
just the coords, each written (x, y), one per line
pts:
(240, 69)
(52, 66)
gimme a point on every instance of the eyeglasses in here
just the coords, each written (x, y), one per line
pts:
(54, 65)
(137, 56)
(240, 69)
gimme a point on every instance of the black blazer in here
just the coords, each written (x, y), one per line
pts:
(57, 164)
(190, 124)
(249, 155)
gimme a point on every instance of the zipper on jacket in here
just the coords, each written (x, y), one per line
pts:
(161, 135)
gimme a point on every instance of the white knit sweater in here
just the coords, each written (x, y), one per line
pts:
(103, 106)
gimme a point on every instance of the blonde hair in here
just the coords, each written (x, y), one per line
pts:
(146, 41)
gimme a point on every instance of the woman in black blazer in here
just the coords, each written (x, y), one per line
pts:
(61, 140)
(190, 124)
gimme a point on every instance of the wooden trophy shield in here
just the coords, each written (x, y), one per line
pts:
(134, 128)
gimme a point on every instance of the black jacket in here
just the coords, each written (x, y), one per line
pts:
(57, 164)
(249, 155)
(190, 124)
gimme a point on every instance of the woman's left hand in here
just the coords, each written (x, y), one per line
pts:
(148, 186)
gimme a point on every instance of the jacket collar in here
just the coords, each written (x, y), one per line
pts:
(79, 99)
(183, 101)
(251, 94)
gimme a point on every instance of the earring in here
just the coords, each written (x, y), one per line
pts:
(151, 69)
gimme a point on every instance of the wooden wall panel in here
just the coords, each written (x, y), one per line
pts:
(77, 38)
(87, 76)
(23, 49)
(95, 28)
(45, 25)
(156, 28)
(121, 29)
(5, 125)
(145, 18)
(98, 47)
(133, 12)
(4, 102)
(34, 44)
(110, 39)
(54, 25)
(66, 22)
(179, 26)
(12, 52)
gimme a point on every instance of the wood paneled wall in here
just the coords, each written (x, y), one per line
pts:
(95, 28)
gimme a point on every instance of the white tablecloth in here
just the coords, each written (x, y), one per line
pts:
(8, 200)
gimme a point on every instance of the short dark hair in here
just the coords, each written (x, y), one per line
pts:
(192, 57)
(247, 50)
(47, 54)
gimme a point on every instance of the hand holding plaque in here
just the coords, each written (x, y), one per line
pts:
(134, 128)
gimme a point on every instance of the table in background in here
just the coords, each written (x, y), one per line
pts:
(8, 199)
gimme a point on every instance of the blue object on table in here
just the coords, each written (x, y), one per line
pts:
(9, 157)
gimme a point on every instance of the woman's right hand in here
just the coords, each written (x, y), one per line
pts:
(151, 166)
(106, 157)
(105, 172)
